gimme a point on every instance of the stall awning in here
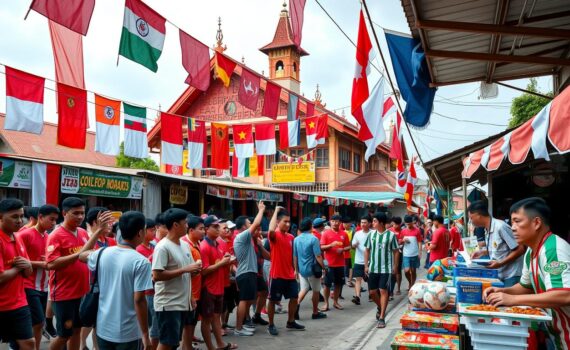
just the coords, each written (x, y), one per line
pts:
(549, 126)
(349, 197)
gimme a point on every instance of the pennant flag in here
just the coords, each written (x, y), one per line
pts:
(360, 92)
(72, 116)
(310, 109)
(293, 107)
(142, 38)
(243, 141)
(108, 126)
(322, 129)
(67, 47)
(297, 8)
(135, 132)
(24, 101)
(396, 150)
(271, 100)
(400, 176)
(248, 93)
(252, 166)
(220, 146)
(412, 178)
(306, 157)
(265, 139)
(224, 68)
(410, 68)
(73, 14)
(171, 143)
(45, 184)
(289, 134)
(372, 113)
(196, 61)
(197, 145)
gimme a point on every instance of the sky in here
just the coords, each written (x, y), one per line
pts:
(247, 25)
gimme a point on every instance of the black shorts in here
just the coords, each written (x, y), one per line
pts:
(37, 301)
(210, 304)
(247, 285)
(16, 324)
(334, 275)
(261, 284)
(231, 298)
(283, 288)
(170, 324)
(379, 281)
(348, 263)
(67, 316)
(192, 316)
(358, 270)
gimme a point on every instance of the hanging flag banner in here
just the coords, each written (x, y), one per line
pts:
(93, 183)
(178, 194)
(15, 174)
(294, 173)
(237, 194)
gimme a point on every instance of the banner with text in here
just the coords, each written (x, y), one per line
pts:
(16, 174)
(293, 173)
(93, 183)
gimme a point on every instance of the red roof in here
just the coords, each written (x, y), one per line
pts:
(44, 146)
(283, 36)
(371, 181)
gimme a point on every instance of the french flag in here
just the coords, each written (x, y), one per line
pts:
(24, 101)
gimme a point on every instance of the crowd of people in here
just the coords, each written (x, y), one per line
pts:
(142, 282)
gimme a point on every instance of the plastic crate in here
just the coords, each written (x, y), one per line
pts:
(475, 272)
(484, 346)
(497, 333)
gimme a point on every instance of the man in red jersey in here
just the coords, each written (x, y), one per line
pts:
(440, 241)
(334, 244)
(69, 277)
(36, 285)
(282, 272)
(318, 228)
(15, 318)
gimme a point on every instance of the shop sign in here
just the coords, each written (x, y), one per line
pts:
(237, 194)
(93, 183)
(16, 174)
(294, 173)
(178, 194)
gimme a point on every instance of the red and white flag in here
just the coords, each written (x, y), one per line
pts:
(373, 112)
(316, 129)
(265, 139)
(45, 184)
(24, 101)
(400, 176)
(412, 178)
(396, 150)
(171, 143)
(197, 142)
(360, 92)
(73, 14)
(243, 141)
(289, 134)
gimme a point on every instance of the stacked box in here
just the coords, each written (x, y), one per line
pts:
(418, 341)
(430, 322)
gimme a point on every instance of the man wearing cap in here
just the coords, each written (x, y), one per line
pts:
(334, 243)
(318, 227)
(411, 239)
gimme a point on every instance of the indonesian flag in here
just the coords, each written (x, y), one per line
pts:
(72, 116)
(252, 166)
(289, 134)
(135, 131)
(360, 92)
(24, 101)
(171, 143)
(45, 184)
(108, 126)
(243, 140)
(400, 176)
(410, 184)
(143, 34)
(73, 14)
(265, 139)
(316, 129)
(197, 141)
(373, 112)
(224, 68)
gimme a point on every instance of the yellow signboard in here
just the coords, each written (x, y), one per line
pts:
(178, 194)
(294, 173)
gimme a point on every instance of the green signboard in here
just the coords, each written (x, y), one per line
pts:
(95, 183)
(16, 174)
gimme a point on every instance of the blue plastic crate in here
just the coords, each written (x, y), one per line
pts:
(474, 272)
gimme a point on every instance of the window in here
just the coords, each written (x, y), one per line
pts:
(322, 157)
(279, 69)
(344, 158)
(356, 166)
(269, 161)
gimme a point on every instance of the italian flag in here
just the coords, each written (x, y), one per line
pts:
(135, 131)
(143, 34)
(253, 166)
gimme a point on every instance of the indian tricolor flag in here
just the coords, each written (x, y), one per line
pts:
(253, 166)
(143, 34)
(135, 131)
(108, 127)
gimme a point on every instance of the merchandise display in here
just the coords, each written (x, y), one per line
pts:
(436, 296)
(430, 322)
(411, 340)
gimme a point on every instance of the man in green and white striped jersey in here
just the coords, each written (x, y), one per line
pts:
(545, 280)
(379, 256)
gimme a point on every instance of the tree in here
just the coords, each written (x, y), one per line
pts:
(135, 163)
(527, 105)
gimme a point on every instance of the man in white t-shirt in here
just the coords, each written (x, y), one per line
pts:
(172, 265)
(358, 241)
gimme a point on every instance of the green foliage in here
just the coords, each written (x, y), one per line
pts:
(135, 163)
(527, 105)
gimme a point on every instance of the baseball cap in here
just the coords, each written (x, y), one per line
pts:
(318, 222)
(231, 224)
(211, 220)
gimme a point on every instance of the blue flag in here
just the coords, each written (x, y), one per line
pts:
(438, 204)
(412, 75)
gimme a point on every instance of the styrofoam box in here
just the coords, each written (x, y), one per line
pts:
(486, 338)
(482, 346)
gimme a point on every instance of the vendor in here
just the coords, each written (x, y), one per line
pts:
(545, 280)
(500, 244)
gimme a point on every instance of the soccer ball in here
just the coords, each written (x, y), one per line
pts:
(448, 263)
(416, 295)
(435, 272)
(436, 296)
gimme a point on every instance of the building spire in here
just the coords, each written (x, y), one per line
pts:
(220, 47)
(318, 98)
(284, 12)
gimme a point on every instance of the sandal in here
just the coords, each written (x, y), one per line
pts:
(229, 346)
(381, 323)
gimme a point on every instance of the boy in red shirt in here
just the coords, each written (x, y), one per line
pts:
(36, 285)
(68, 276)
(456, 241)
(282, 273)
(334, 244)
(15, 318)
(440, 241)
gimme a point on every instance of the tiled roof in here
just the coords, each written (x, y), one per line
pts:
(283, 36)
(44, 146)
(371, 181)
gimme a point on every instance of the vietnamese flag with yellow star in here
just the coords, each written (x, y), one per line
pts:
(224, 68)
(243, 141)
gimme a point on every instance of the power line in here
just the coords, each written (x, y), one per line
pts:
(467, 121)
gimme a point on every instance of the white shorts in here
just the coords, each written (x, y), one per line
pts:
(312, 282)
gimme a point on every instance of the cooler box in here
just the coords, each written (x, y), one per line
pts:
(430, 322)
(470, 290)
(411, 340)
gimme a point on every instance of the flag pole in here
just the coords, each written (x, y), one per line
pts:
(29, 9)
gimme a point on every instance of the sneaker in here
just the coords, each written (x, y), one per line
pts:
(319, 315)
(242, 332)
(356, 300)
(260, 321)
(381, 323)
(272, 330)
(249, 328)
(294, 326)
